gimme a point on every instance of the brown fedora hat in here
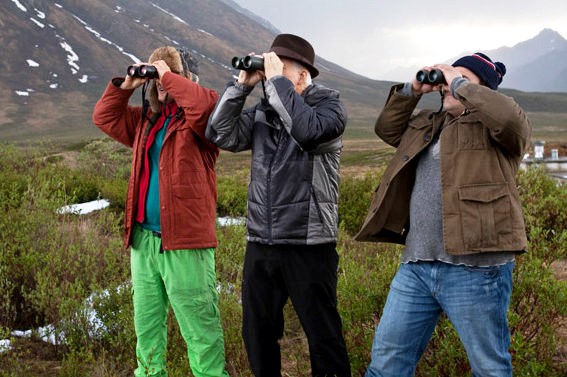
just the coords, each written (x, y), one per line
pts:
(293, 47)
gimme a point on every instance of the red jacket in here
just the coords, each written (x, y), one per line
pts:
(187, 178)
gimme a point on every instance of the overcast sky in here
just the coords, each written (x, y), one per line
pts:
(373, 37)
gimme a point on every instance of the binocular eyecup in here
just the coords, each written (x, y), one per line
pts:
(143, 71)
(433, 77)
(248, 63)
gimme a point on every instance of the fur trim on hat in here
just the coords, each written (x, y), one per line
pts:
(175, 61)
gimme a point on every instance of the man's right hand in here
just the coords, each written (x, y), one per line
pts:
(418, 87)
(131, 82)
(250, 78)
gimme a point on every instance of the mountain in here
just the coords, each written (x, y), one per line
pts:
(252, 15)
(58, 57)
(536, 65)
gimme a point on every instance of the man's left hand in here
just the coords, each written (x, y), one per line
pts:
(273, 66)
(449, 72)
(161, 67)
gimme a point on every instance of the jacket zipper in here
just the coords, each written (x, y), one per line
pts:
(269, 190)
(269, 184)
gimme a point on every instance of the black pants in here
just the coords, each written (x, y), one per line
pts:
(308, 276)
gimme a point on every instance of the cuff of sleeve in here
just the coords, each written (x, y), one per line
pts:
(117, 81)
(406, 90)
(456, 84)
(243, 87)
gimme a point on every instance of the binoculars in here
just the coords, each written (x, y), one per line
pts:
(143, 71)
(248, 63)
(434, 77)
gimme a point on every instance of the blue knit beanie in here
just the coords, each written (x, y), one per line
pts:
(490, 73)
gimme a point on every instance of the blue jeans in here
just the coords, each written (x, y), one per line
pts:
(476, 301)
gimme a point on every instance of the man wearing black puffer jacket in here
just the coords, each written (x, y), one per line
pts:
(295, 134)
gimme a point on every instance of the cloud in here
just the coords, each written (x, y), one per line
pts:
(376, 35)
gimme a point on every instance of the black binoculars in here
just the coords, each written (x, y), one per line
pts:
(248, 63)
(143, 71)
(434, 77)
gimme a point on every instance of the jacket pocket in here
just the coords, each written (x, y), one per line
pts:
(414, 134)
(485, 214)
(190, 185)
(413, 140)
(471, 134)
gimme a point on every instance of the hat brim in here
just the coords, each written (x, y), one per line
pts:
(287, 53)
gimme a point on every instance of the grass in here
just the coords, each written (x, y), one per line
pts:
(50, 263)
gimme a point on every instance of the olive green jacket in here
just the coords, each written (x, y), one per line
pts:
(481, 151)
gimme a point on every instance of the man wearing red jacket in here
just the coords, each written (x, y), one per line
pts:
(170, 209)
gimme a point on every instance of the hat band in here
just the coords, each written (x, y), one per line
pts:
(486, 61)
(285, 52)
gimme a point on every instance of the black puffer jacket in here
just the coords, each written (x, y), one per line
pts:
(296, 142)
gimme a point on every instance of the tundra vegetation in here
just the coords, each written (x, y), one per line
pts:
(69, 274)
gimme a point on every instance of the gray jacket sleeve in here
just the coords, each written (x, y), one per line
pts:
(315, 117)
(229, 127)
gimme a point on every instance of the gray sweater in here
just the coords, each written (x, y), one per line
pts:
(424, 241)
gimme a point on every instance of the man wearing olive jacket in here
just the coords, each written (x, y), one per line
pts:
(295, 136)
(449, 194)
(170, 210)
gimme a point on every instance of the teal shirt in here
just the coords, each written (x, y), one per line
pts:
(152, 215)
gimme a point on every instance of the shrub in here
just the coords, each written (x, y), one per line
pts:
(232, 194)
(51, 262)
(365, 272)
(354, 198)
(58, 269)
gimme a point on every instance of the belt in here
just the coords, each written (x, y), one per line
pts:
(158, 235)
(154, 233)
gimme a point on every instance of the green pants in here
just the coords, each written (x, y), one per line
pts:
(185, 279)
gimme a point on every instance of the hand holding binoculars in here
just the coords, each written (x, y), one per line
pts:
(143, 71)
(248, 63)
(433, 77)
